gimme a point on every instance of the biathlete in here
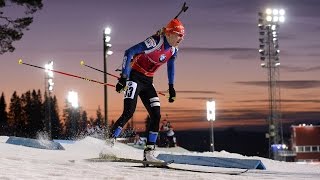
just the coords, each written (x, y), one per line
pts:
(140, 63)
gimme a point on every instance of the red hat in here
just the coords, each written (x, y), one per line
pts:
(175, 26)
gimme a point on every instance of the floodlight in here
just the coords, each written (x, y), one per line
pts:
(275, 18)
(268, 11)
(211, 108)
(281, 19)
(73, 99)
(282, 12)
(109, 52)
(275, 11)
(107, 39)
(269, 18)
(107, 31)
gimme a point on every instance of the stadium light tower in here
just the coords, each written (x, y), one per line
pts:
(49, 88)
(106, 52)
(268, 24)
(211, 116)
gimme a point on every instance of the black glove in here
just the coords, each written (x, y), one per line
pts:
(121, 85)
(172, 93)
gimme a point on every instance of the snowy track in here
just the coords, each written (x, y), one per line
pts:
(19, 162)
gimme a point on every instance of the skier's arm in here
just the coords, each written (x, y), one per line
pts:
(171, 68)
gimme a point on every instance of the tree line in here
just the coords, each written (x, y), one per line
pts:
(31, 114)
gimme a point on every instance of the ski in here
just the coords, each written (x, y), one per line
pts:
(164, 165)
(199, 171)
(128, 160)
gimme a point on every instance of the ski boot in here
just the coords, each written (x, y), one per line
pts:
(149, 154)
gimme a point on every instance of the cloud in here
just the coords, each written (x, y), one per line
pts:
(299, 84)
(300, 69)
(233, 52)
(197, 98)
(219, 50)
(194, 92)
(284, 100)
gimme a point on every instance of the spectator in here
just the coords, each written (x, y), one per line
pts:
(166, 135)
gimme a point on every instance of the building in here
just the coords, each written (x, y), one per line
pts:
(306, 143)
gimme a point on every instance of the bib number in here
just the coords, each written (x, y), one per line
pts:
(131, 90)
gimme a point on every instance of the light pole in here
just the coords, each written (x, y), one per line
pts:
(211, 116)
(106, 53)
(49, 88)
(268, 24)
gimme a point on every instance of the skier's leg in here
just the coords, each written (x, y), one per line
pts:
(151, 101)
(130, 103)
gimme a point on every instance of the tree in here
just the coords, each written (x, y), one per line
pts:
(71, 117)
(15, 115)
(3, 115)
(26, 114)
(99, 120)
(11, 28)
(35, 123)
(56, 125)
(83, 121)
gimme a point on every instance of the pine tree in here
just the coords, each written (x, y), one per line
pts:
(56, 125)
(3, 115)
(26, 114)
(15, 115)
(11, 28)
(99, 119)
(35, 123)
(84, 121)
(71, 117)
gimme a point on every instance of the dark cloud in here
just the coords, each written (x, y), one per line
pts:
(300, 69)
(197, 98)
(193, 92)
(233, 52)
(299, 84)
(284, 100)
(219, 50)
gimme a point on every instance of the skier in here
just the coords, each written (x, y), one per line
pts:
(140, 62)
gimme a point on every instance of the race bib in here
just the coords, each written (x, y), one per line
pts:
(131, 89)
(150, 42)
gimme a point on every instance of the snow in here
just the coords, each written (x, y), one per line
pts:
(20, 162)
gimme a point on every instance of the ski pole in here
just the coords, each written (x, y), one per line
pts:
(83, 64)
(67, 74)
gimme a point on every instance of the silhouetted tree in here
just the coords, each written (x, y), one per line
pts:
(11, 28)
(56, 125)
(3, 115)
(15, 120)
(83, 121)
(35, 123)
(99, 119)
(71, 117)
(26, 116)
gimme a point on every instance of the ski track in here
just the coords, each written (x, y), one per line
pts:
(19, 162)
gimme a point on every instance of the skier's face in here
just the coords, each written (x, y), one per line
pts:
(174, 39)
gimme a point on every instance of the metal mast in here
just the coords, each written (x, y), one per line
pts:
(269, 56)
